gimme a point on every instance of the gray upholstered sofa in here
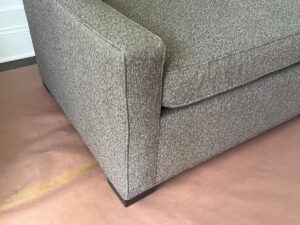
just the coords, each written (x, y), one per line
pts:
(155, 87)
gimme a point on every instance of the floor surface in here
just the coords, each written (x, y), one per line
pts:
(48, 176)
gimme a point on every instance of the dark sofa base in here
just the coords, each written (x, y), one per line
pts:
(137, 198)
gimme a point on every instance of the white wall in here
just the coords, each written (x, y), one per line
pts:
(15, 40)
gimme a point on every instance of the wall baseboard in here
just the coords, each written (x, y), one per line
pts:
(15, 39)
(17, 64)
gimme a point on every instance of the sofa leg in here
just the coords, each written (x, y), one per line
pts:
(129, 202)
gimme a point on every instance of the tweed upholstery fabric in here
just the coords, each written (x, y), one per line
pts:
(196, 133)
(105, 71)
(215, 46)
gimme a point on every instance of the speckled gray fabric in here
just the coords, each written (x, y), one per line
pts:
(198, 132)
(106, 73)
(214, 46)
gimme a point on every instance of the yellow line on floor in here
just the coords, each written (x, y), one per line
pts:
(41, 188)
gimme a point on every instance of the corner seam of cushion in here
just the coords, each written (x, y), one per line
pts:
(230, 88)
(175, 70)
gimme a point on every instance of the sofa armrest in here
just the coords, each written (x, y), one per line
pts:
(105, 71)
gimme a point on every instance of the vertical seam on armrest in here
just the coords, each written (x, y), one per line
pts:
(161, 57)
(161, 97)
(128, 126)
(122, 51)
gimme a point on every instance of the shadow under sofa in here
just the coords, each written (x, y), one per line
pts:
(154, 89)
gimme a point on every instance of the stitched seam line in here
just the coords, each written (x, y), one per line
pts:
(128, 125)
(174, 106)
(200, 162)
(170, 105)
(230, 55)
(122, 50)
(158, 138)
(125, 85)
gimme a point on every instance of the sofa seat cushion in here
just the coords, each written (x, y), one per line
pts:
(215, 46)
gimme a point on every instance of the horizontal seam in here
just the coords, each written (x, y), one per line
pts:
(233, 54)
(200, 162)
(225, 90)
